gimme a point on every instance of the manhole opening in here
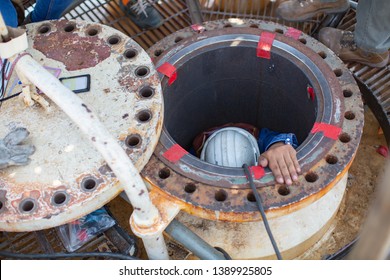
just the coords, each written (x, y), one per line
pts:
(218, 99)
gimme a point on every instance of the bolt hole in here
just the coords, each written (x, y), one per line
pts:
(190, 188)
(303, 41)
(311, 177)
(284, 190)
(280, 31)
(347, 93)
(146, 92)
(349, 115)
(220, 195)
(59, 198)
(1, 205)
(228, 25)
(89, 184)
(114, 40)
(142, 71)
(69, 27)
(338, 72)
(144, 116)
(130, 53)
(164, 173)
(133, 140)
(251, 197)
(27, 205)
(92, 32)
(178, 39)
(253, 26)
(344, 137)
(322, 54)
(331, 159)
(158, 52)
(44, 29)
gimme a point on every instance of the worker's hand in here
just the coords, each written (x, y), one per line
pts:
(11, 153)
(282, 160)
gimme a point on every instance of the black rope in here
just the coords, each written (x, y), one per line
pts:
(65, 255)
(259, 204)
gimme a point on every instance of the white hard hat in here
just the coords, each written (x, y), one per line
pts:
(231, 147)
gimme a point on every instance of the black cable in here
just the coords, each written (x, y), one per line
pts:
(9, 97)
(259, 204)
(65, 255)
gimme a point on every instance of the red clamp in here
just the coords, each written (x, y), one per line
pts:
(265, 44)
(174, 153)
(257, 171)
(329, 131)
(293, 33)
(168, 70)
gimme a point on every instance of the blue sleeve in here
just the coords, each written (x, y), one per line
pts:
(268, 137)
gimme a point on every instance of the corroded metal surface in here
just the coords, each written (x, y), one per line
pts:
(67, 178)
(215, 193)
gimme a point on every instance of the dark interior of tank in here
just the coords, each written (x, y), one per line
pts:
(231, 85)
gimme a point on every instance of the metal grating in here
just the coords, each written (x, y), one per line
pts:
(177, 16)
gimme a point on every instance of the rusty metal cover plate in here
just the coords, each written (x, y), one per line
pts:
(67, 178)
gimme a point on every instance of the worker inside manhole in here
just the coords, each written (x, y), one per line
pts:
(214, 104)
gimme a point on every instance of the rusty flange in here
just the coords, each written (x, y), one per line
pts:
(214, 192)
(67, 178)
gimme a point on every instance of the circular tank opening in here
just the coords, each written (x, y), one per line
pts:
(232, 85)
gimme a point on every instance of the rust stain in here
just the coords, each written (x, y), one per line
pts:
(74, 51)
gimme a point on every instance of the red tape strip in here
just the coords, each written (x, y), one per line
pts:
(168, 70)
(328, 130)
(257, 172)
(310, 92)
(174, 153)
(293, 33)
(265, 44)
(198, 28)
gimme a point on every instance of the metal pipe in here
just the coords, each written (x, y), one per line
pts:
(145, 214)
(195, 11)
(193, 242)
